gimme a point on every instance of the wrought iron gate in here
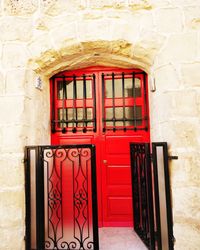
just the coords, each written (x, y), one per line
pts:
(61, 198)
(151, 195)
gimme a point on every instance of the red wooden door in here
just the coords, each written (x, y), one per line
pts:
(109, 108)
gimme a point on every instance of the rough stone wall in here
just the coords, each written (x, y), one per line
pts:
(43, 37)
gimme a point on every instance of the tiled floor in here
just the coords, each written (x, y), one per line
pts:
(119, 238)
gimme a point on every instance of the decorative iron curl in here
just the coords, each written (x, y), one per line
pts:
(74, 152)
(72, 245)
(90, 245)
(47, 244)
(57, 153)
(49, 154)
(84, 152)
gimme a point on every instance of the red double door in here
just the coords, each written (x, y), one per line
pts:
(107, 107)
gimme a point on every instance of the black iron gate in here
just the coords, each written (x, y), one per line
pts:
(61, 198)
(151, 195)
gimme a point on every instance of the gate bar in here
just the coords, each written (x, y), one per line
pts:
(39, 199)
(167, 190)
(94, 198)
(28, 198)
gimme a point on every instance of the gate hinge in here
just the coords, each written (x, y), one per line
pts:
(172, 157)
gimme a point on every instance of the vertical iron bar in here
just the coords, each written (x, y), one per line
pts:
(39, 199)
(123, 95)
(145, 100)
(94, 199)
(53, 123)
(28, 198)
(149, 195)
(63, 104)
(74, 104)
(168, 198)
(134, 101)
(65, 95)
(157, 198)
(103, 102)
(84, 103)
(95, 108)
(113, 100)
(134, 178)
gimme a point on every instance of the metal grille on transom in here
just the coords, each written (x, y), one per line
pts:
(124, 102)
(74, 104)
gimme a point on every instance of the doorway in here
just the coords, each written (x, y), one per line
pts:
(107, 107)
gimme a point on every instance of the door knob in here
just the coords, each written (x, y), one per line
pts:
(105, 161)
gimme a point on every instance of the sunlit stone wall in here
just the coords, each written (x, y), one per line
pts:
(39, 38)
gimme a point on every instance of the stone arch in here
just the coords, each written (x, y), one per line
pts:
(122, 53)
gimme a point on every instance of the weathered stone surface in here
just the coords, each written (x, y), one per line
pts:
(16, 139)
(191, 74)
(11, 170)
(56, 7)
(45, 22)
(161, 112)
(185, 103)
(15, 29)
(86, 30)
(140, 4)
(12, 218)
(185, 2)
(15, 81)
(181, 133)
(147, 46)
(119, 28)
(102, 4)
(166, 24)
(187, 236)
(64, 34)
(40, 45)
(1, 7)
(167, 77)
(187, 197)
(192, 17)
(12, 198)
(11, 109)
(179, 48)
(186, 172)
(12, 237)
(20, 7)
(146, 22)
(2, 83)
(14, 56)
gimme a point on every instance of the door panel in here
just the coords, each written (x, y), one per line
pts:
(119, 206)
(116, 188)
(106, 107)
(115, 173)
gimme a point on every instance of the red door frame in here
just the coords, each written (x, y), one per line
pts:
(98, 138)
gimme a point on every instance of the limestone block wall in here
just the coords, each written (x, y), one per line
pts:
(43, 37)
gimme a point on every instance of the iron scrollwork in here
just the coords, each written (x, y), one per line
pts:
(69, 216)
(141, 181)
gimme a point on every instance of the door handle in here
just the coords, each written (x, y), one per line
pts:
(104, 161)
